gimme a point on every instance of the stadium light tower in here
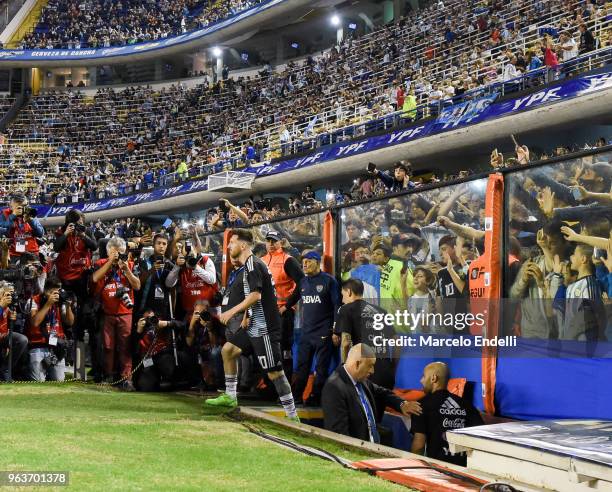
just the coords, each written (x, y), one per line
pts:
(336, 21)
(218, 54)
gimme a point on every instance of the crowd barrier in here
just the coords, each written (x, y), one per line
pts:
(508, 218)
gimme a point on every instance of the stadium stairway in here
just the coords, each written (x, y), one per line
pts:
(11, 114)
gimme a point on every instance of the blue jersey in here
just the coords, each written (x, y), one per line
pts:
(320, 297)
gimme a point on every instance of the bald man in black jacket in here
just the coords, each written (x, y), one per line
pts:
(353, 405)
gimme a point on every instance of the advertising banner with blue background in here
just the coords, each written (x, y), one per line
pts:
(132, 49)
(453, 117)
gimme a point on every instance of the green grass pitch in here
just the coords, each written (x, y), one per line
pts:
(109, 440)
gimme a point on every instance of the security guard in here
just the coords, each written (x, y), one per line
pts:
(286, 273)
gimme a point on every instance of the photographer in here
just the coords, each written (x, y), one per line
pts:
(114, 283)
(19, 342)
(206, 337)
(195, 274)
(74, 247)
(49, 313)
(154, 272)
(162, 367)
(19, 224)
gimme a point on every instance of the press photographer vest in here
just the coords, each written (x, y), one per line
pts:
(73, 260)
(38, 336)
(194, 287)
(283, 283)
(20, 230)
(107, 287)
(162, 342)
(4, 317)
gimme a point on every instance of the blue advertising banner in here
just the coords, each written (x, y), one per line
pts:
(463, 113)
(469, 113)
(93, 53)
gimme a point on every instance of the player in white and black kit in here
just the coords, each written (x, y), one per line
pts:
(263, 327)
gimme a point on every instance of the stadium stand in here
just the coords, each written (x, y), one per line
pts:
(75, 25)
(142, 136)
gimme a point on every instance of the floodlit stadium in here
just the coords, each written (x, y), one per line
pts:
(292, 245)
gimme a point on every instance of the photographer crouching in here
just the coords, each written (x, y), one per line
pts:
(20, 225)
(164, 365)
(48, 314)
(9, 339)
(205, 338)
(114, 283)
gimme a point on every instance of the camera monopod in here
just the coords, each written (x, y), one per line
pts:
(9, 378)
(173, 335)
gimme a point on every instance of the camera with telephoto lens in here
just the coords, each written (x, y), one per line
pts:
(65, 296)
(27, 272)
(151, 322)
(123, 293)
(11, 275)
(49, 361)
(205, 316)
(192, 261)
(14, 300)
(32, 271)
(157, 259)
(79, 227)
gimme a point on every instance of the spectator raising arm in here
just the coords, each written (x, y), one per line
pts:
(461, 230)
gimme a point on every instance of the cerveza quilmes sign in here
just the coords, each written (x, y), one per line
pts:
(20, 55)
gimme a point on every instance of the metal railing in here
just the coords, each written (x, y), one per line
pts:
(199, 170)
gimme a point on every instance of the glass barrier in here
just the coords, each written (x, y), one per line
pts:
(557, 270)
(299, 234)
(413, 252)
(213, 246)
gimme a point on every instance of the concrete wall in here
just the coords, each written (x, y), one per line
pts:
(586, 107)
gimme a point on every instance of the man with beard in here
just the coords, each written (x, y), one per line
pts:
(262, 336)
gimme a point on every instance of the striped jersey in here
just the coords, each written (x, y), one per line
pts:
(584, 314)
(263, 315)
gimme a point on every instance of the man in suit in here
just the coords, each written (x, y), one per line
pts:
(352, 405)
